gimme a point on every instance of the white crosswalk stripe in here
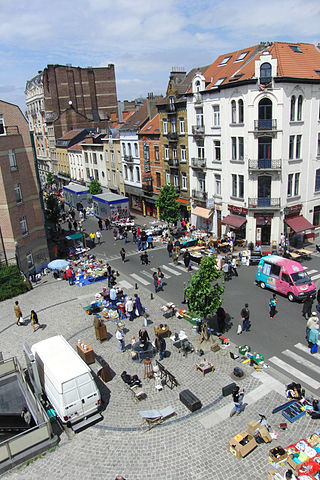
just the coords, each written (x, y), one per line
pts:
(315, 277)
(289, 369)
(170, 270)
(310, 272)
(165, 274)
(139, 279)
(301, 360)
(305, 349)
(180, 267)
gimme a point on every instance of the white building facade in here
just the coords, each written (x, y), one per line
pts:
(130, 159)
(76, 163)
(254, 143)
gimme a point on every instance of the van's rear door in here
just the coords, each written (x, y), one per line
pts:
(89, 393)
(73, 406)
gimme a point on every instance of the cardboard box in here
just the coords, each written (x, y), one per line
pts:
(295, 466)
(278, 459)
(252, 427)
(242, 444)
(265, 434)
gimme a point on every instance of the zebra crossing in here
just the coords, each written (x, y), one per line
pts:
(301, 365)
(313, 274)
(130, 248)
(169, 271)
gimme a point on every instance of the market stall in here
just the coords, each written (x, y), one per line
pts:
(76, 195)
(111, 206)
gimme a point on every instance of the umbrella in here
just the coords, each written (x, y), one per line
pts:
(58, 264)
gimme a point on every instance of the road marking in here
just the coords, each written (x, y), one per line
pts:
(125, 284)
(295, 372)
(301, 360)
(164, 274)
(170, 270)
(180, 267)
(305, 349)
(315, 277)
(139, 279)
(311, 271)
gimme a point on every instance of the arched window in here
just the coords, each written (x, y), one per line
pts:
(240, 111)
(265, 73)
(197, 86)
(293, 109)
(299, 112)
(265, 114)
(233, 112)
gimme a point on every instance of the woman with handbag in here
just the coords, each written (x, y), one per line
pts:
(313, 337)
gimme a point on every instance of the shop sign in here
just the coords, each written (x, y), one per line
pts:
(239, 210)
(293, 209)
(210, 203)
(189, 208)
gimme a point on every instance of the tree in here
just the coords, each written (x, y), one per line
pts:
(95, 187)
(204, 292)
(168, 207)
(50, 179)
(52, 209)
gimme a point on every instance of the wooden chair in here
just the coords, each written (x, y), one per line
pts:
(151, 418)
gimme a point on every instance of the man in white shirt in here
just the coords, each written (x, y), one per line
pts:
(130, 309)
(98, 236)
(120, 338)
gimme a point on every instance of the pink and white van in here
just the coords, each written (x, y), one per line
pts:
(284, 276)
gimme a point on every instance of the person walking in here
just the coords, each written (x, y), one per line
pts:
(273, 305)
(34, 321)
(69, 225)
(187, 259)
(98, 235)
(234, 267)
(175, 256)
(125, 236)
(155, 281)
(185, 287)
(318, 301)
(100, 224)
(138, 305)
(106, 224)
(115, 234)
(123, 254)
(160, 344)
(144, 338)
(170, 248)
(225, 269)
(144, 258)
(75, 225)
(245, 315)
(237, 397)
(92, 236)
(160, 276)
(134, 234)
(307, 307)
(18, 313)
(150, 241)
(120, 338)
(69, 273)
(130, 309)
(312, 323)
(313, 338)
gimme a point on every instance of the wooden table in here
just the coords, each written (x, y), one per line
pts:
(163, 331)
(295, 255)
(100, 329)
(86, 353)
(205, 367)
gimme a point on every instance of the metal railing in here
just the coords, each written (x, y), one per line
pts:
(128, 158)
(173, 162)
(172, 136)
(199, 195)
(265, 164)
(198, 130)
(265, 124)
(198, 162)
(264, 202)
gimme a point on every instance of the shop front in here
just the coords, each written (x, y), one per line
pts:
(184, 207)
(134, 196)
(296, 227)
(236, 221)
(202, 218)
(263, 229)
(149, 208)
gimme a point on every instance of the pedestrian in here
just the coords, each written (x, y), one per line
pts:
(170, 248)
(144, 338)
(69, 273)
(92, 236)
(81, 216)
(113, 296)
(318, 300)
(100, 224)
(221, 320)
(307, 306)
(273, 305)
(225, 269)
(130, 309)
(55, 251)
(234, 267)
(115, 234)
(139, 310)
(98, 235)
(187, 259)
(125, 236)
(311, 323)
(155, 281)
(160, 276)
(245, 315)
(69, 225)
(73, 214)
(175, 256)
(120, 338)
(144, 258)
(160, 344)
(34, 321)
(237, 397)
(106, 224)
(185, 287)
(150, 241)
(18, 313)
(75, 225)
(123, 254)
(134, 234)
(313, 338)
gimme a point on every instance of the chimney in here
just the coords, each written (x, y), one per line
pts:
(151, 101)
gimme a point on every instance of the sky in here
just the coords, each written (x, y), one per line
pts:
(144, 39)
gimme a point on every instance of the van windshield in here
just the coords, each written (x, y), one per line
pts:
(300, 278)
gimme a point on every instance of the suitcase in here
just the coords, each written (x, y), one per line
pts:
(228, 389)
(190, 400)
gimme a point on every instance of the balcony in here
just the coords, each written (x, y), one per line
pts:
(265, 124)
(173, 162)
(197, 98)
(171, 108)
(199, 195)
(198, 162)
(128, 158)
(198, 130)
(9, 130)
(177, 188)
(264, 202)
(273, 165)
(147, 187)
(172, 136)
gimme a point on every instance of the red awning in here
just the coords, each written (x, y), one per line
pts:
(182, 200)
(202, 212)
(299, 223)
(234, 221)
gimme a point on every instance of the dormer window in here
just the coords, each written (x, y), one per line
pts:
(224, 61)
(241, 57)
(197, 86)
(295, 48)
(218, 82)
(265, 73)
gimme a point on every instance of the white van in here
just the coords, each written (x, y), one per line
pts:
(66, 380)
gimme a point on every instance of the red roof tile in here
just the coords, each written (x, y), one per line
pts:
(71, 134)
(151, 127)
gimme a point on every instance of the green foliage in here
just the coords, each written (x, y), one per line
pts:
(204, 292)
(95, 187)
(11, 282)
(168, 207)
(52, 209)
(50, 179)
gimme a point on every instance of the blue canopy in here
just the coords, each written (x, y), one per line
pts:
(58, 264)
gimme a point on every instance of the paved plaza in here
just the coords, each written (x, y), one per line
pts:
(187, 446)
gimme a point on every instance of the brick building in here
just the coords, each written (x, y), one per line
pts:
(21, 221)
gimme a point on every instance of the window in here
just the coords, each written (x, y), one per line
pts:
(233, 112)
(293, 109)
(156, 153)
(17, 191)
(129, 149)
(234, 148)
(318, 149)
(199, 117)
(241, 56)
(290, 183)
(88, 173)
(173, 126)
(114, 178)
(102, 174)
(219, 81)
(285, 278)
(184, 181)
(241, 186)
(165, 127)
(202, 182)
(176, 180)
(216, 115)
(168, 178)
(174, 153)
(241, 148)
(24, 227)
(295, 48)
(317, 181)
(299, 112)
(183, 153)
(240, 110)
(296, 184)
(234, 185)
(124, 148)
(166, 153)
(171, 101)
(2, 129)
(94, 157)
(136, 150)
(218, 184)
(12, 160)
(181, 126)
(125, 172)
(138, 174)
(217, 150)
(96, 174)
(131, 174)
(197, 86)
(200, 152)
(29, 260)
(291, 146)
(158, 179)
(108, 175)
(265, 73)
(101, 157)
(298, 146)
(224, 61)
